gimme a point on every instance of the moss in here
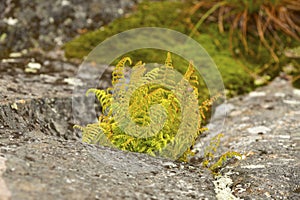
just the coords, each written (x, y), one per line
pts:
(156, 14)
(293, 67)
(171, 15)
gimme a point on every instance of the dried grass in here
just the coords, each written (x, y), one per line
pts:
(261, 19)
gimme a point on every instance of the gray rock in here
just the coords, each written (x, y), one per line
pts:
(48, 24)
(269, 141)
(44, 158)
(258, 130)
(223, 110)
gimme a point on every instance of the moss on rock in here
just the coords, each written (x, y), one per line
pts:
(238, 73)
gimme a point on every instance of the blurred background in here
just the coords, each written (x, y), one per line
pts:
(251, 41)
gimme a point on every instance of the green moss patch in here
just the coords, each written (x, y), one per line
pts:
(238, 73)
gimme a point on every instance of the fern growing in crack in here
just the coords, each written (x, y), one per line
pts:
(157, 112)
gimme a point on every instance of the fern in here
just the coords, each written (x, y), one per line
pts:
(103, 97)
(211, 150)
(151, 113)
(118, 73)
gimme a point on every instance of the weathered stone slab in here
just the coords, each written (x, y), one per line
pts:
(266, 129)
(43, 159)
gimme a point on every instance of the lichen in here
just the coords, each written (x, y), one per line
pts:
(222, 188)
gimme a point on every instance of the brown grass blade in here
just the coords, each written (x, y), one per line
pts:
(231, 30)
(244, 29)
(207, 14)
(282, 25)
(286, 17)
(262, 38)
(291, 4)
(196, 7)
(220, 19)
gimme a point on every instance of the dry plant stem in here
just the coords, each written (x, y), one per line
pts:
(220, 19)
(257, 18)
(285, 17)
(231, 30)
(196, 7)
(281, 24)
(207, 14)
(244, 30)
(262, 38)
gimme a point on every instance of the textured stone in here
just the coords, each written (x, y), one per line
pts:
(269, 140)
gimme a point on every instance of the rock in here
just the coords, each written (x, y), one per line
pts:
(45, 159)
(41, 157)
(292, 102)
(279, 94)
(223, 110)
(296, 92)
(41, 164)
(269, 140)
(48, 24)
(5, 193)
(222, 188)
(257, 94)
(258, 130)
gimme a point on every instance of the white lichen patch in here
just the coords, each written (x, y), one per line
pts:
(291, 102)
(257, 94)
(34, 65)
(73, 81)
(253, 166)
(258, 129)
(279, 94)
(10, 21)
(222, 187)
(296, 92)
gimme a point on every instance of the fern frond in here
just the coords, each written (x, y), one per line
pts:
(152, 106)
(152, 75)
(223, 159)
(78, 127)
(103, 97)
(137, 75)
(211, 149)
(190, 70)
(168, 61)
(192, 78)
(90, 133)
(205, 105)
(139, 63)
(118, 72)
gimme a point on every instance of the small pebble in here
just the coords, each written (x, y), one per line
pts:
(10, 21)
(296, 92)
(34, 65)
(15, 54)
(169, 165)
(279, 94)
(253, 166)
(259, 129)
(291, 102)
(257, 94)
